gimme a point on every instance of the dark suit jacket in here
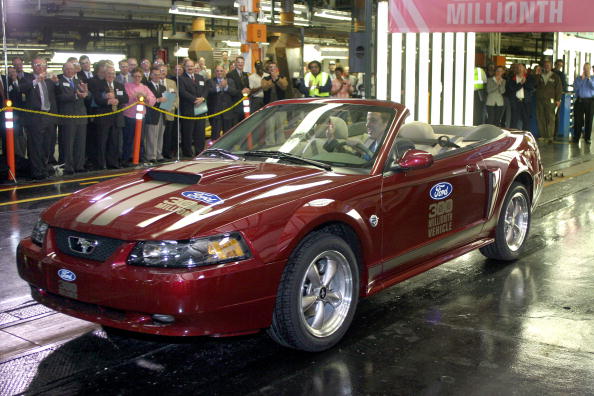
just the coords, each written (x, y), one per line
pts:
(83, 77)
(240, 82)
(100, 90)
(188, 92)
(511, 87)
(218, 101)
(69, 103)
(152, 116)
(33, 100)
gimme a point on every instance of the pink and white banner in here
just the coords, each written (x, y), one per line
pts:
(491, 16)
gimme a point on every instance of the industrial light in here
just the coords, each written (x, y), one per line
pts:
(341, 16)
(62, 57)
(548, 52)
(182, 52)
(199, 12)
(232, 43)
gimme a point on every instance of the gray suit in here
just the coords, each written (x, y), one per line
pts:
(73, 132)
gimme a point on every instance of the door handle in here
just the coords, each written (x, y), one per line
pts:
(472, 168)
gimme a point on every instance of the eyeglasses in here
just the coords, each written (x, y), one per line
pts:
(39, 64)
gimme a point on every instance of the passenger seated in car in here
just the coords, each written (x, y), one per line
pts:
(376, 124)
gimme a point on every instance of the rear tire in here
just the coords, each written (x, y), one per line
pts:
(317, 295)
(512, 227)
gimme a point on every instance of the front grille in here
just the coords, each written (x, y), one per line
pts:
(101, 252)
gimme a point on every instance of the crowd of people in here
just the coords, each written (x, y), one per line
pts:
(105, 139)
(511, 98)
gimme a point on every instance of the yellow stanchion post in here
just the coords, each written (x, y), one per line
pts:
(138, 131)
(9, 123)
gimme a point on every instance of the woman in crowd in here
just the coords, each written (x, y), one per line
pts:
(341, 86)
(134, 90)
(495, 91)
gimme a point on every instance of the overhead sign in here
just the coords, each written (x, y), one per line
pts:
(489, 16)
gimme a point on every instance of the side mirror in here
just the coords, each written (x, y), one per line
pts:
(413, 159)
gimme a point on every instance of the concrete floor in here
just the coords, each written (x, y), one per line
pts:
(470, 326)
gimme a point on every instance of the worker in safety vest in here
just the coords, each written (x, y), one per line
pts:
(316, 83)
(480, 95)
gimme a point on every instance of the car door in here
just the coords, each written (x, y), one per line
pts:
(428, 211)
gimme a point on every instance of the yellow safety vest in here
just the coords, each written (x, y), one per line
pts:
(479, 82)
(318, 81)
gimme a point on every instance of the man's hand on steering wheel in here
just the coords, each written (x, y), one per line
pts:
(360, 148)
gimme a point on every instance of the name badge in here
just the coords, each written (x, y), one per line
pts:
(200, 82)
(172, 90)
(10, 88)
(119, 92)
(66, 84)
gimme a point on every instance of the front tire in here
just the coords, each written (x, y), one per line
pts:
(318, 294)
(512, 227)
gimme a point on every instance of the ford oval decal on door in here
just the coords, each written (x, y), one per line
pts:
(67, 275)
(441, 191)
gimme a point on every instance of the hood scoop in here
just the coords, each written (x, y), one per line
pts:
(172, 177)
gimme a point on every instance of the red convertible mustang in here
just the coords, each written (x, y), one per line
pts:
(284, 223)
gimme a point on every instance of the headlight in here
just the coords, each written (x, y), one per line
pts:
(190, 253)
(39, 231)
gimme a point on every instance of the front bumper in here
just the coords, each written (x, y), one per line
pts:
(217, 300)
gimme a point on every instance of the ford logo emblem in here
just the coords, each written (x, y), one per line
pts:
(207, 198)
(441, 191)
(67, 275)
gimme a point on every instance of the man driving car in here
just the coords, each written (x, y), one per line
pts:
(376, 125)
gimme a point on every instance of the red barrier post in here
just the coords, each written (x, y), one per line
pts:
(138, 131)
(9, 117)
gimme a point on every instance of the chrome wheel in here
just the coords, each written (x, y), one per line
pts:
(327, 293)
(517, 215)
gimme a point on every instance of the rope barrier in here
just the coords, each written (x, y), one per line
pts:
(123, 109)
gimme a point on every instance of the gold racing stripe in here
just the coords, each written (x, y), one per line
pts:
(127, 205)
(86, 215)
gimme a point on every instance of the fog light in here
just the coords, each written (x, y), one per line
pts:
(163, 318)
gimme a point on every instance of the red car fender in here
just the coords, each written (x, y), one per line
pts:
(309, 218)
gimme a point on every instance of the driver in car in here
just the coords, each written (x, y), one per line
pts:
(376, 124)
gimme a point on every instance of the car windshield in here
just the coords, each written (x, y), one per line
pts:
(337, 134)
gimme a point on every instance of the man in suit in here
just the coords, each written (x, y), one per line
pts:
(145, 65)
(11, 86)
(124, 75)
(241, 81)
(520, 90)
(220, 97)
(192, 92)
(85, 74)
(71, 94)
(17, 62)
(376, 124)
(39, 92)
(152, 140)
(109, 95)
(170, 135)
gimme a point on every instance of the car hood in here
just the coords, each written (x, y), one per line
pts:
(181, 200)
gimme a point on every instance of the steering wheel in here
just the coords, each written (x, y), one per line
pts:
(444, 141)
(362, 149)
